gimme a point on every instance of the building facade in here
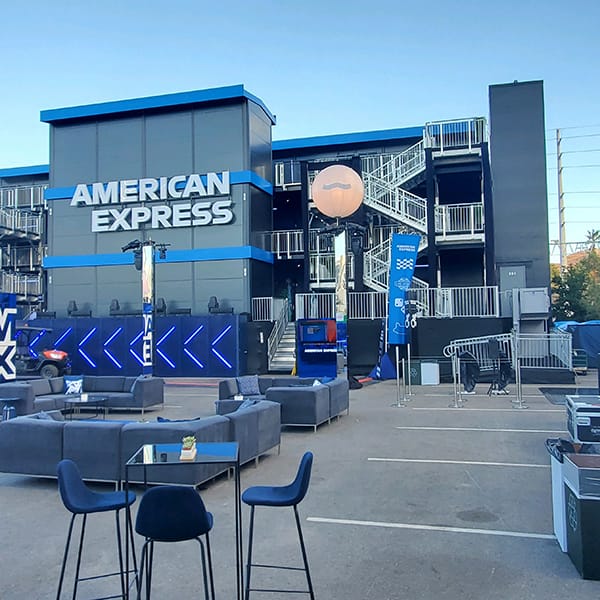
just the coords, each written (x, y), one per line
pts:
(199, 172)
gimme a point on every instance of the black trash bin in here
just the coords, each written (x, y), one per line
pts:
(582, 512)
(557, 447)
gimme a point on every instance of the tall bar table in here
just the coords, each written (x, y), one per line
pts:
(165, 455)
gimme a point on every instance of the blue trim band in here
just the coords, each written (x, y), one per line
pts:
(173, 256)
(235, 178)
(152, 102)
(59, 193)
(348, 138)
(253, 179)
(21, 171)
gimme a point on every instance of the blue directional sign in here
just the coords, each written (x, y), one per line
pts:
(402, 266)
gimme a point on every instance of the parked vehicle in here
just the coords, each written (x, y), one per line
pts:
(29, 362)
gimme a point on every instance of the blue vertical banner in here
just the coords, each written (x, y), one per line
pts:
(402, 266)
(8, 345)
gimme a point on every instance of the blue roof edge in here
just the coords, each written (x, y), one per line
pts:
(22, 171)
(152, 102)
(381, 135)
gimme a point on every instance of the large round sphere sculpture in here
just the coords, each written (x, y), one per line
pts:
(338, 191)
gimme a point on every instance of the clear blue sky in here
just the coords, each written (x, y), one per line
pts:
(323, 67)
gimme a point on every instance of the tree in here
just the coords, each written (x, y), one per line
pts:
(568, 292)
(591, 264)
(576, 290)
(593, 237)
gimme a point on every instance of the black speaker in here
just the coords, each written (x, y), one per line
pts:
(493, 348)
(257, 358)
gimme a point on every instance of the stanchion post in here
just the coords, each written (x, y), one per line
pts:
(409, 370)
(518, 384)
(456, 379)
(398, 403)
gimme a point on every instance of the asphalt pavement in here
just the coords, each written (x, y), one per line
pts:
(415, 500)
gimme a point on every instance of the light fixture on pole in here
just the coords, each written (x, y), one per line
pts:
(338, 192)
(143, 253)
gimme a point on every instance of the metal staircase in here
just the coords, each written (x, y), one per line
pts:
(383, 178)
(284, 358)
(377, 265)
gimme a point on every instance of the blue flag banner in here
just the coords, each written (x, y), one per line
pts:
(402, 266)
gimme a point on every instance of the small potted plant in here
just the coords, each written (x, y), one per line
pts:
(188, 448)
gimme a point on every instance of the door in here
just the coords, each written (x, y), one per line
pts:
(511, 277)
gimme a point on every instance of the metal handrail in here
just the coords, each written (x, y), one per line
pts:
(23, 197)
(538, 350)
(395, 202)
(459, 218)
(456, 133)
(279, 327)
(17, 220)
(482, 301)
(396, 168)
(21, 285)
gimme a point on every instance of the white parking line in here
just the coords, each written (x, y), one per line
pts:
(492, 532)
(482, 429)
(511, 410)
(458, 462)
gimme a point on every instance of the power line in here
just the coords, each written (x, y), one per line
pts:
(573, 151)
(574, 127)
(573, 137)
(575, 167)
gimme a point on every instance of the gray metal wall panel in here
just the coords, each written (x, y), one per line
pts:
(261, 216)
(73, 152)
(72, 284)
(260, 142)
(69, 232)
(120, 150)
(518, 164)
(219, 137)
(169, 145)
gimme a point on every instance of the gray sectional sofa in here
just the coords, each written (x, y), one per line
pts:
(304, 401)
(34, 444)
(35, 395)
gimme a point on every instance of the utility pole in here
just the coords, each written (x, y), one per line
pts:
(562, 229)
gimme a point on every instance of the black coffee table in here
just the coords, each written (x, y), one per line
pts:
(75, 403)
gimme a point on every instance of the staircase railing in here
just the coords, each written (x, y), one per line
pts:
(396, 169)
(19, 220)
(395, 202)
(279, 327)
(377, 264)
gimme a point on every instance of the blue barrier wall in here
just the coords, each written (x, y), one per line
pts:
(185, 346)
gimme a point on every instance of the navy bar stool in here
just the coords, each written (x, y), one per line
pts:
(287, 495)
(80, 500)
(170, 513)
